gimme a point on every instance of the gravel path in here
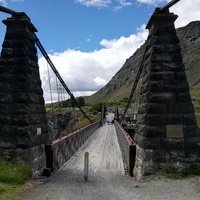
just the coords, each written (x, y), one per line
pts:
(106, 178)
(70, 185)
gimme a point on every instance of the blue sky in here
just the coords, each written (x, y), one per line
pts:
(66, 24)
(89, 40)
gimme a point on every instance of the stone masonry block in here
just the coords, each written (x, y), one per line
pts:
(184, 108)
(181, 76)
(147, 143)
(172, 143)
(166, 131)
(5, 119)
(6, 98)
(155, 86)
(191, 131)
(166, 58)
(163, 49)
(164, 66)
(22, 110)
(12, 44)
(141, 118)
(183, 97)
(155, 131)
(152, 108)
(161, 30)
(161, 97)
(189, 119)
(192, 142)
(169, 39)
(162, 76)
(175, 85)
(143, 98)
(155, 120)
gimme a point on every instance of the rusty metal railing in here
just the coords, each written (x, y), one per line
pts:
(128, 148)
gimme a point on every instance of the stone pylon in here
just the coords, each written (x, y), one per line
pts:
(23, 122)
(167, 135)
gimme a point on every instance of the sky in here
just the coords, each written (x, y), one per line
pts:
(89, 40)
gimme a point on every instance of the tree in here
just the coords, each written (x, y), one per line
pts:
(81, 101)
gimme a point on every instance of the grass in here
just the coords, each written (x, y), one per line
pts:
(198, 119)
(195, 94)
(12, 177)
(8, 191)
(175, 173)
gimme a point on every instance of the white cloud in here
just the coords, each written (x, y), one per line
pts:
(122, 3)
(16, 0)
(151, 2)
(88, 40)
(105, 3)
(86, 72)
(100, 81)
(94, 3)
(118, 4)
(5, 2)
(187, 11)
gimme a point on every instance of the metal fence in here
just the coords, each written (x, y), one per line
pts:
(61, 150)
(128, 148)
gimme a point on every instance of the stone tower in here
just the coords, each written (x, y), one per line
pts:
(167, 135)
(23, 122)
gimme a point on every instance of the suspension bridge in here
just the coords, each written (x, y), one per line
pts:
(165, 130)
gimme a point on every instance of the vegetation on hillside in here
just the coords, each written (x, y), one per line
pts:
(12, 177)
(97, 107)
(68, 117)
(195, 94)
(65, 104)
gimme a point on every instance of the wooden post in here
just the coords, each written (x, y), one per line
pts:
(86, 165)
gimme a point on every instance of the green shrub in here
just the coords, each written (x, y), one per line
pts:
(96, 107)
(11, 172)
(182, 173)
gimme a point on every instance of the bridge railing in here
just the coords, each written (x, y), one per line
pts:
(128, 148)
(61, 150)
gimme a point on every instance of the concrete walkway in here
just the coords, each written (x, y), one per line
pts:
(106, 178)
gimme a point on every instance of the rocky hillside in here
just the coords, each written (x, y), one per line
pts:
(120, 85)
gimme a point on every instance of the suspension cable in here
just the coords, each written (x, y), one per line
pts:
(51, 104)
(57, 90)
(8, 11)
(50, 89)
(137, 78)
(43, 51)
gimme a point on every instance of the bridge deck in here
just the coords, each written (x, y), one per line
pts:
(105, 178)
(104, 152)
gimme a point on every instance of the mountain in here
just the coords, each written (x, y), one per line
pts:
(120, 85)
